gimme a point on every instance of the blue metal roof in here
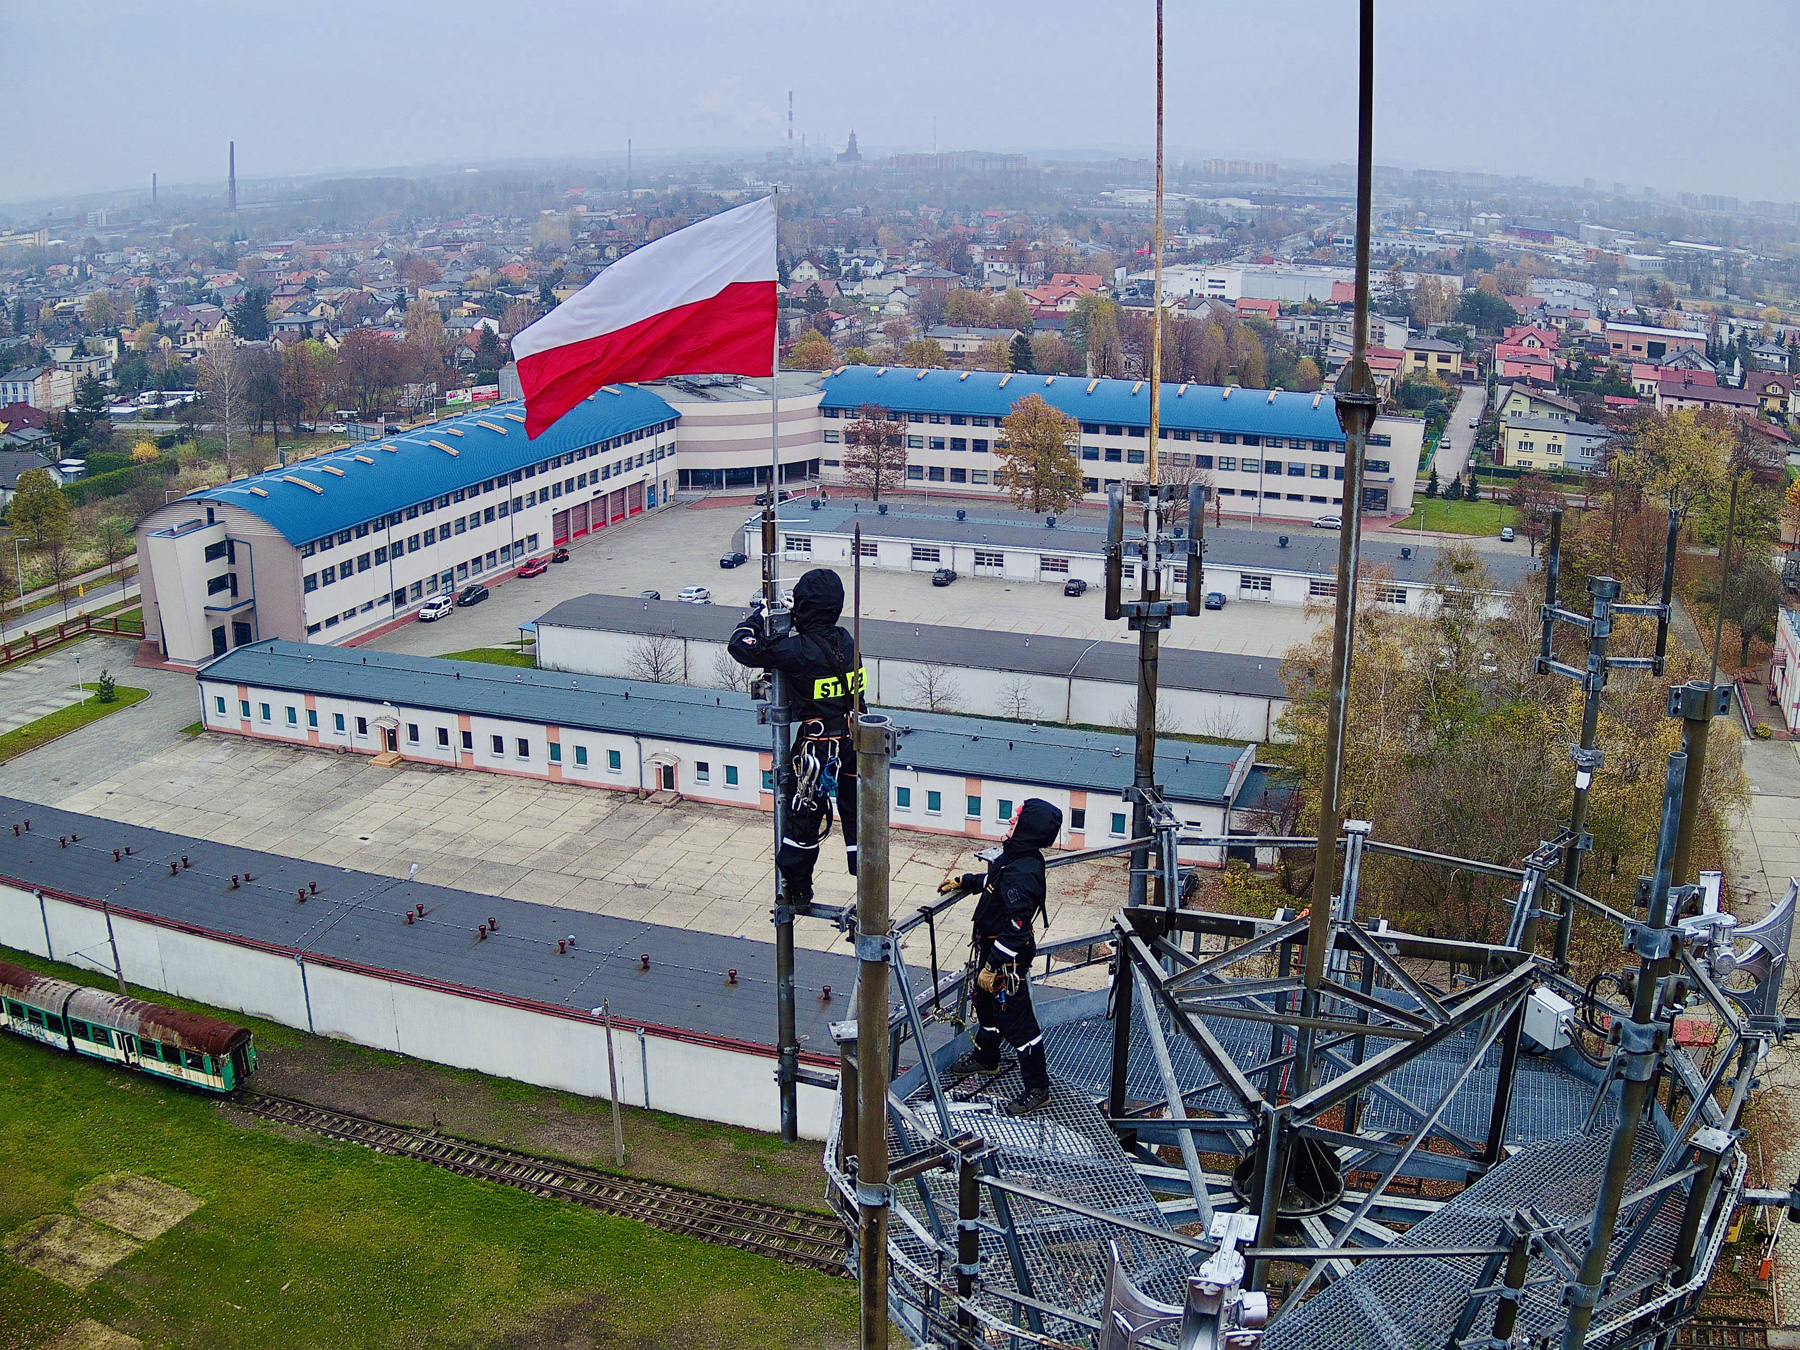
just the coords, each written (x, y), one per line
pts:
(1185, 407)
(1053, 756)
(374, 478)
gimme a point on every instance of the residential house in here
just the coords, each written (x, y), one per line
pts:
(1525, 364)
(929, 280)
(1247, 308)
(1770, 355)
(1432, 356)
(20, 416)
(15, 462)
(1671, 394)
(1774, 388)
(43, 387)
(1528, 401)
(1552, 443)
(957, 340)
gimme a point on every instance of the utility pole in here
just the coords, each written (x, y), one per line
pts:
(874, 947)
(231, 177)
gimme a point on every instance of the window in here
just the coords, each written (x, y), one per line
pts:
(768, 781)
(915, 442)
(978, 475)
(987, 559)
(499, 744)
(222, 582)
(381, 553)
(443, 737)
(935, 473)
(1248, 465)
(362, 726)
(866, 549)
(1324, 589)
(581, 757)
(311, 582)
(524, 748)
(1058, 565)
(362, 562)
(934, 803)
(1134, 457)
(1077, 818)
(468, 740)
(1378, 466)
(702, 771)
(337, 721)
(1250, 581)
(974, 808)
(1226, 462)
(959, 443)
(923, 554)
(1204, 462)
(959, 475)
(266, 715)
(1114, 455)
(1391, 595)
(915, 473)
(903, 799)
(1295, 469)
(1005, 809)
(1321, 471)
(1091, 452)
(312, 719)
(219, 704)
(612, 760)
(979, 445)
(731, 775)
(1118, 824)
(799, 543)
(412, 732)
(555, 752)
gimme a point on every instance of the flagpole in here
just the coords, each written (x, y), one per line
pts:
(786, 1031)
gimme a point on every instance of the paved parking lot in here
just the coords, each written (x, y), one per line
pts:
(680, 546)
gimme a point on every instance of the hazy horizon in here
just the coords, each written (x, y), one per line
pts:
(364, 88)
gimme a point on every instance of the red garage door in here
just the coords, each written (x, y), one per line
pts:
(578, 518)
(559, 527)
(634, 499)
(616, 505)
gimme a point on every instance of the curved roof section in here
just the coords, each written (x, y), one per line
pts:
(1185, 407)
(347, 487)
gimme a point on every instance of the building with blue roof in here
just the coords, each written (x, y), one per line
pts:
(1265, 452)
(337, 546)
(955, 775)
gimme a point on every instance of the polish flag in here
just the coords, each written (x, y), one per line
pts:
(700, 301)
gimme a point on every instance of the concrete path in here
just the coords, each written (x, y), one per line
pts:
(1459, 437)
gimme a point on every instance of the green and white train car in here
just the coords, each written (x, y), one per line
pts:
(183, 1047)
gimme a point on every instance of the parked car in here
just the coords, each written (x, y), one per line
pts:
(649, 595)
(1328, 523)
(1075, 586)
(733, 559)
(1507, 535)
(695, 595)
(534, 567)
(559, 555)
(762, 498)
(472, 594)
(1474, 421)
(943, 577)
(1215, 599)
(438, 607)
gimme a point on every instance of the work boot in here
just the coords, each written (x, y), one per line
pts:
(1031, 1099)
(973, 1063)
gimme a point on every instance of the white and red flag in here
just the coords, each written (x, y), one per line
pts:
(700, 301)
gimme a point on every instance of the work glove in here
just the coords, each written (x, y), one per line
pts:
(950, 886)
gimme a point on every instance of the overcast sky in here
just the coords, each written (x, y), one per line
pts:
(1648, 91)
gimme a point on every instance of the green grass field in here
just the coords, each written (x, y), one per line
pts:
(1434, 513)
(494, 656)
(64, 720)
(301, 1242)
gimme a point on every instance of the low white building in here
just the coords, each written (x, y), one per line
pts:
(951, 775)
(1020, 676)
(1254, 566)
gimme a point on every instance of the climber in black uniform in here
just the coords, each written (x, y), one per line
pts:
(1012, 895)
(824, 689)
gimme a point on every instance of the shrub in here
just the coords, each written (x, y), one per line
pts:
(106, 689)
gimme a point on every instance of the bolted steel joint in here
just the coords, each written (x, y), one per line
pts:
(875, 1197)
(1697, 701)
(874, 947)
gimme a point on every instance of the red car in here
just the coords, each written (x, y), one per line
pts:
(535, 567)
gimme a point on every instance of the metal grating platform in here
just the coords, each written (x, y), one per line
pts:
(1414, 1304)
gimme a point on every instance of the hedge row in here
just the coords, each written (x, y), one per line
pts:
(119, 481)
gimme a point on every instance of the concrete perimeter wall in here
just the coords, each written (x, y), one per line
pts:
(684, 1075)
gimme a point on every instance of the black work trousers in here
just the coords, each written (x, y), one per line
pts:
(808, 821)
(1009, 1017)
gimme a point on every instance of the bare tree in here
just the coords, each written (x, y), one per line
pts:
(1016, 701)
(655, 658)
(729, 674)
(1166, 724)
(875, 451)
(935, 686)
(225, 380)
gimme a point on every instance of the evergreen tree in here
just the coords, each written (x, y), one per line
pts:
(1431, 483)
(1021, 354)
(250, 315)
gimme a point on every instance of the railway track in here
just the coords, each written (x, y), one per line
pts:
(789, 1235)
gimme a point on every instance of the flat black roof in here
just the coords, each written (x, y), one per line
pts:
(355, 921)
(985, 649)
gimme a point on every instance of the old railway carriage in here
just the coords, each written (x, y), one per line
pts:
(166, 1042)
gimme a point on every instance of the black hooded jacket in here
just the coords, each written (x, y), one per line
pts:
(817, 655)
(1013, 890)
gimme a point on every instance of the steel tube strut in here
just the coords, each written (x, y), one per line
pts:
(872, 949)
